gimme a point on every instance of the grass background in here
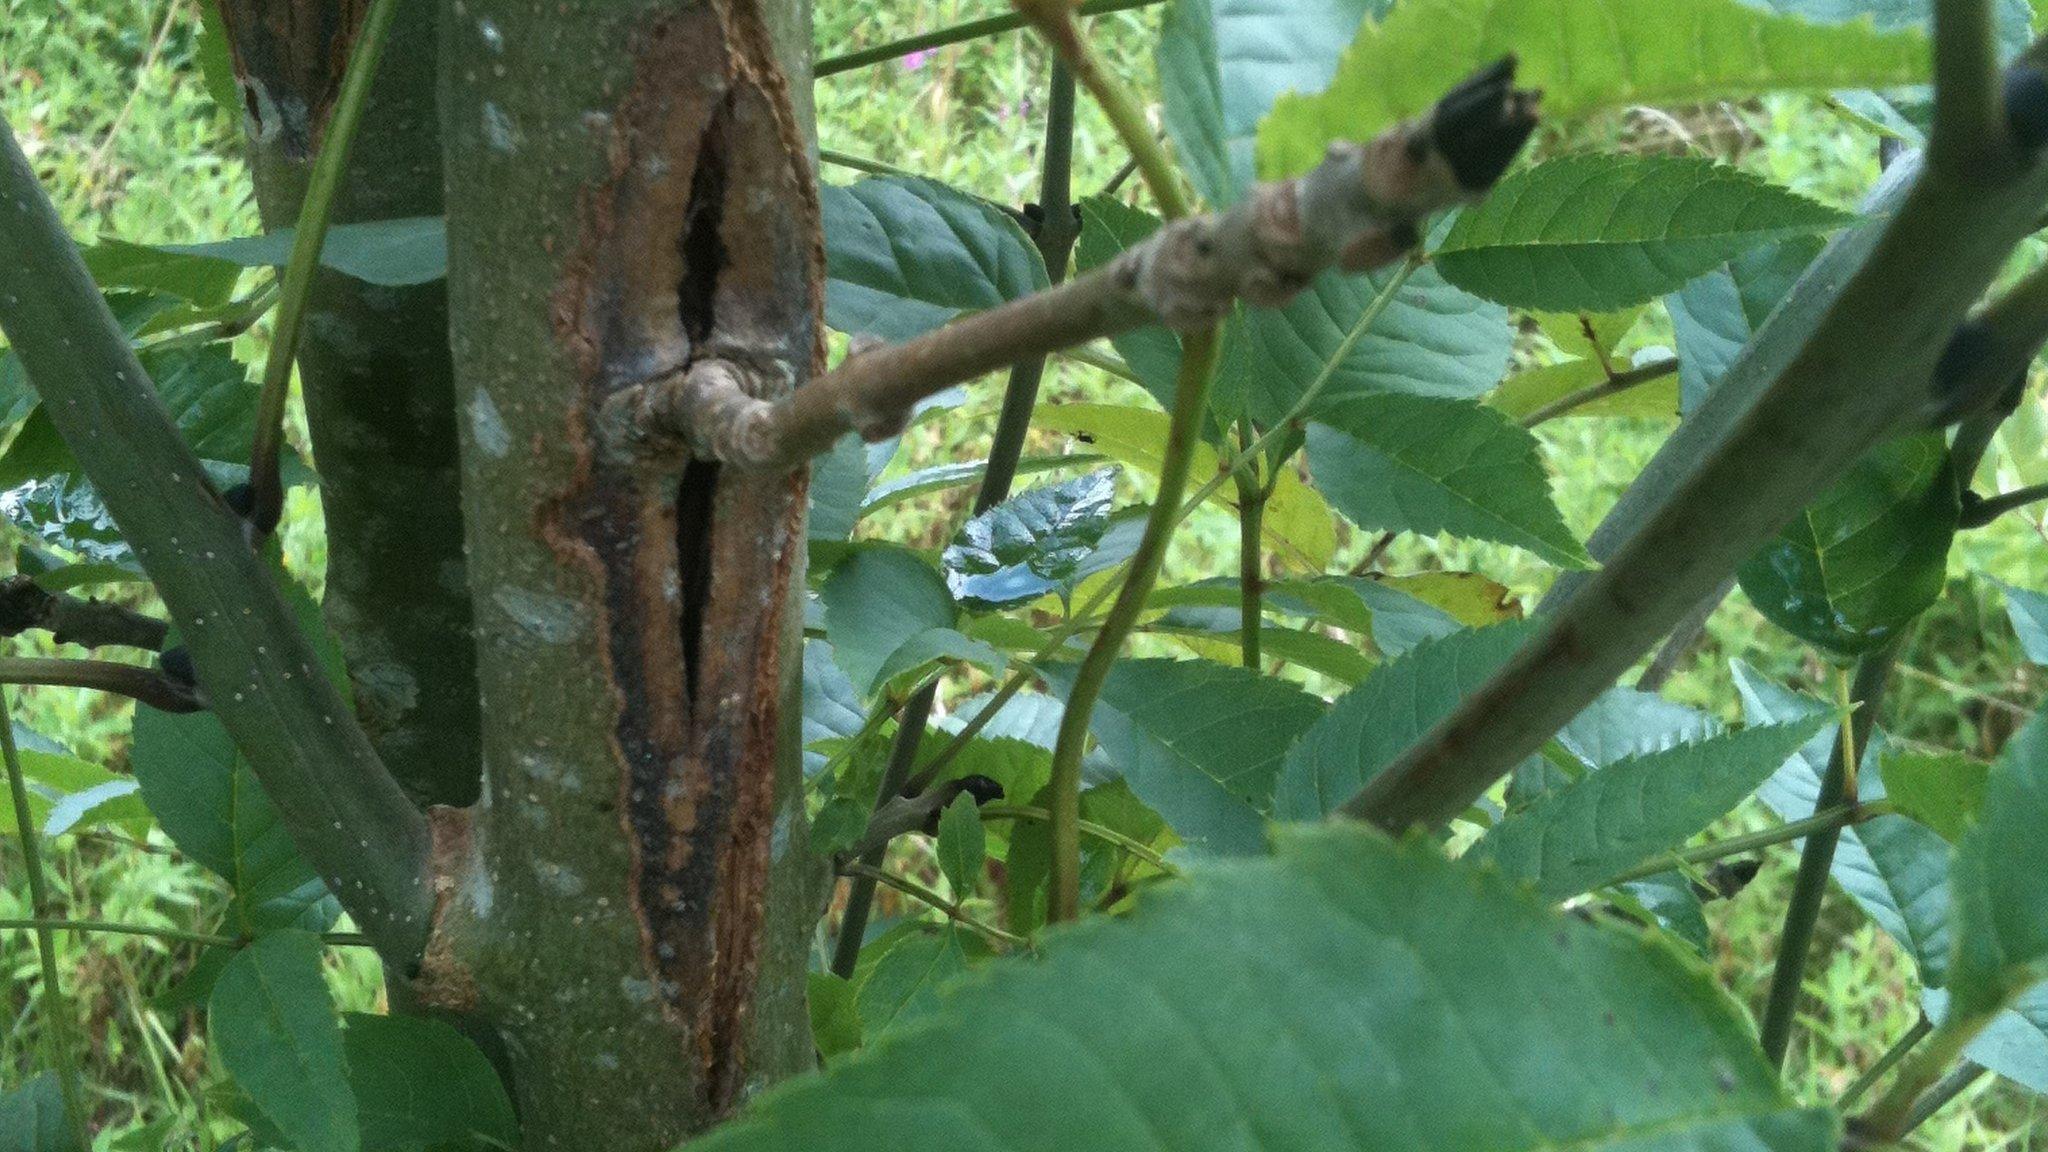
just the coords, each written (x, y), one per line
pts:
(107, 99)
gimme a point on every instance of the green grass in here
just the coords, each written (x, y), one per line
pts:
(107, 99)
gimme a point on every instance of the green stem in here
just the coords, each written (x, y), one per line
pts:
(1300, 408)
(248, 647)
(1055, 236)
(1946, 1089)
(1126, 113)
(1966, 79)
(266, 482)
(1016, 681)
(1190, 408)
(1834, 819)
(63, 1055)
(1251, 568)
(1981, 512)
(924, 895)
(1096, 358)
(1897, 1111)
(1088, 828)
(860, 892)
(1866, 694)
(1885, 1063)
(173, 935)
(958, 33)
(866, 164)
(1614, 385)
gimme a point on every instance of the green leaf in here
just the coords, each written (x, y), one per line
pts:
(1627, 813)
(1669, 899)
(420, 1084)
(2015, 1043)
(1350, 994)
(1620, 723)
(274, 1028)
(901, 984)
(934, 647)
(32, 1118)
(65, 511)
(904, 255)
(1376, 721)
(1868, 556)
(1895, 869)
(876, 601)
(2014, 17)
(832, 705)
(1222, 63)
(962, 847)
(66, 793)
(1943, 791)
(839, 482)
(2000, 880)
(1600, 232)
(208, 802)
(940, 477)
(1030, 544)
(1714, 316)
(1584, 55)
(1108, 227)
(1430, 340)
(217, 63)
(133, 311)
(1409, 464)
(387, 253)
(1298, 524)
(1526, 392)
(1200, 743)
(202, 280)
(2029, 614)
(835, 1015)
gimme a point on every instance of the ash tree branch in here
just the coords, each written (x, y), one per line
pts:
(1858, 341)
(143, 685)
(1360, 209)
(26, 606)
(259, 672)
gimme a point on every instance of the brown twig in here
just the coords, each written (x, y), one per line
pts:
(144, 685)
(26, 605)
(1361, 208)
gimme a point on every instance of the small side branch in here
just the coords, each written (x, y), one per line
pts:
(1361, 209)
(1979, 510)
(26, 605)
(143, 685)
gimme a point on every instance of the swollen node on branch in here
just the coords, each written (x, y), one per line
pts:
(1362, 208)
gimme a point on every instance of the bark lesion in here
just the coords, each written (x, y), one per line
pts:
(700, 244)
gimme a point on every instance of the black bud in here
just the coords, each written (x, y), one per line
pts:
(1729, 878)
(1405, 234)
(176, 663)
(1958, 386)
(983, 789)
(1479, 127)
(242, 499)
(2026, 105)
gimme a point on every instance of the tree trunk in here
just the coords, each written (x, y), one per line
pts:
(378, 385)
(631, 900)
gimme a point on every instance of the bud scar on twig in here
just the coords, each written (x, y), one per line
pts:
(1363, 207)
